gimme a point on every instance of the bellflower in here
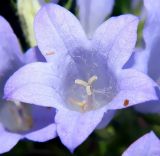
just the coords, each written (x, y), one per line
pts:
(92, 13)
(83, 79)
(147, 59)
(19, 120)
(148, 145)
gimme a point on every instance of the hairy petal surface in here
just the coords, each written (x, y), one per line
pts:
(147, 145)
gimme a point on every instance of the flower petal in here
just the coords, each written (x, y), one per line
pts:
(148, 107)
(33, 55)
(35, 83)
(44, 134)
(106, 119)
(89, 16)
(56, 37)
(10, 52)
(115, 39)
(151, 37)
(147, 145)
(135, 87)
(8, 140)
(43, 128)
(5, 26)
(74, 127)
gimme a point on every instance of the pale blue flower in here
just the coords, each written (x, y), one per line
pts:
(83, 79)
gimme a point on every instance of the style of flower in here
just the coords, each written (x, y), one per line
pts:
(83, 79)
(19, 120)
(149, 144)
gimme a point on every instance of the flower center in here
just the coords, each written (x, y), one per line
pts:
(91, 94)
(16, 116)
(87, 103)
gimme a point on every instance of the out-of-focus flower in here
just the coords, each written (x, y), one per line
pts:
(147, 59)
(83, 78)
(17, 119)
(27, 11)
(92, 13)
(149, 144)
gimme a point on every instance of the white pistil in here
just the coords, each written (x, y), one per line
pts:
(81, 82)
(92, 79)
(89, 91)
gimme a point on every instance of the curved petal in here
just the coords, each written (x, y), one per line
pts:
(148, 107)
(7, 140)
(56, 37)
(33, 55)
(152, 106)
(151, 29)
(9, 47)
(115, 39)
(74, 127)
(35, 83)
(135, 88)
(44, 134)
(108, 116)
(147, 145)
(5, 26)
(147, 60)
(89, 16)
(10, 53)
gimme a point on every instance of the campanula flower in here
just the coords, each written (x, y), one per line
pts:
(17, 119)
(83, 78)
(149, 144)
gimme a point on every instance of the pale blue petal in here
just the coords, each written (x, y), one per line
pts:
(92, 13)
(74, 127)
(7, 140)
(33, 55)
(115, 39)
(58, 32)
(147, 145)
(135, 88)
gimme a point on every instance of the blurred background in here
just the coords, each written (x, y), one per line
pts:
(127, 126)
